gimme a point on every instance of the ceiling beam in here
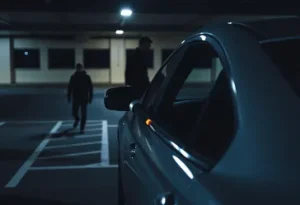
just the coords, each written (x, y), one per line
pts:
(96, 27)
(204, 7)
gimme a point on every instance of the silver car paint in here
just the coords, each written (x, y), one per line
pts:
(261, 166)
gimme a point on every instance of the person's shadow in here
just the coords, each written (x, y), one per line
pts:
(70, 132)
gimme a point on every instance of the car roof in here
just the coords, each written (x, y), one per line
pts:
(263, 29)
(273, 27)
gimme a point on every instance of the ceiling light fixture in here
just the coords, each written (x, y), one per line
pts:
(126, 12)
(119, 32)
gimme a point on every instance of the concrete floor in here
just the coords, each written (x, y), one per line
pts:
(66, 168)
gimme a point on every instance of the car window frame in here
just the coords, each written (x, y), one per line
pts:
(169, 139)
(147, 93)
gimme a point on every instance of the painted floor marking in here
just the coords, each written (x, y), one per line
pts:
(104, 146)
(32, 121)
(48, 121)
(72, 167)
(69, 155)
(112, 126)
(73, 145)
(94, 129)
(104, 153)
(87, 125)
(75, 137)
(28, 163)
(88, 121)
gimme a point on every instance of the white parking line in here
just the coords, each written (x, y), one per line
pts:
(112, 125)
(93, 129)
(26, 166)
(2, 123)
(87, 125)
(69, 155)
(73, 145)
(49, 121)
(93, 125)
(88, 121)
(72, 167)
(104, 146)
(75, 137)
(31, 121)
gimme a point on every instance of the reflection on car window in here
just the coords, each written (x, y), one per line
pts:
(152, 92)
(155, 92)
(205, 122)
(205, 68)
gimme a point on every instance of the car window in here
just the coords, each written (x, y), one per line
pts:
(203, 123)
(199, 82)
(154, 92)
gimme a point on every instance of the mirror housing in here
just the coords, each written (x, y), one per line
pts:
(120, 98)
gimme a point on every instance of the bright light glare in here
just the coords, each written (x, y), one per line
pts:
(163, 200)
(26, 53)
(126, 12)
(175, 145)
(183, 167)
(203, 38)
(184, 153)
(233, 86)
(229, 22)
(119, 32)
(182, 41)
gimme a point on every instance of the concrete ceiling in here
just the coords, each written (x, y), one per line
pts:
(148, 15)
(257, 7)
(93, 21)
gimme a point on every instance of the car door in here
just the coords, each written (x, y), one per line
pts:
(138, 176)
(158, 165)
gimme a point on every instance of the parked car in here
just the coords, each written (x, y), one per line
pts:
(236, 143)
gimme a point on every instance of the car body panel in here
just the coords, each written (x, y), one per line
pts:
(154, 171)
(264, 152)
(261, 165)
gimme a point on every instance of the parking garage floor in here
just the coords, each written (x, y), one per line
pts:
(44, 162)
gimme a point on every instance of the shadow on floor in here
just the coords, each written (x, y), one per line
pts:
(70, 132)
(17, 154)
(38, 137)
(14, 154)
(15, 199)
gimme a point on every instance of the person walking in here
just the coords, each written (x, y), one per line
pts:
(80, 92)
(136, 73)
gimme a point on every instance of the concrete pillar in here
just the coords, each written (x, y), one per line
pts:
(79, 54)
(117, 60)
(5, 65)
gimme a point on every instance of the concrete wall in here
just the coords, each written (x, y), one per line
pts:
(44, 75)
(4, 61)
(114, 74)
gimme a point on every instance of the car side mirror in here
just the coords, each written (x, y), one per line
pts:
(119, 98)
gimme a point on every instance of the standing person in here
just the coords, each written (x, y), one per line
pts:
(80, 89)
(136, 73)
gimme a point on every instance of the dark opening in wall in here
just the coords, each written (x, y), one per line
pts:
(27, 58)
(96, 58)
(61, 58)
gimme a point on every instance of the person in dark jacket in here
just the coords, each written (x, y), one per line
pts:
(136, 73)
(80, 89)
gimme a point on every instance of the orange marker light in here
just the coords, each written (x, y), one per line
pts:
(148, 122)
